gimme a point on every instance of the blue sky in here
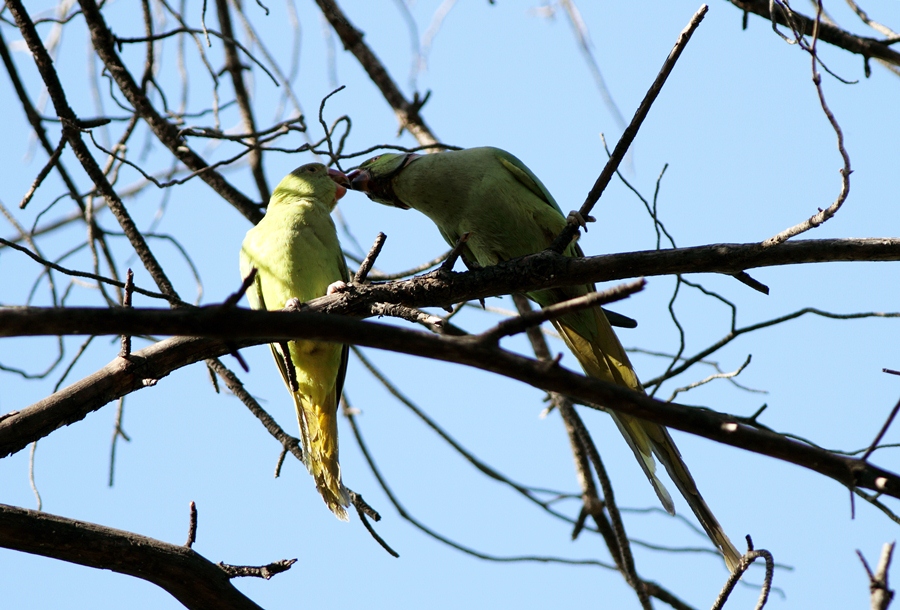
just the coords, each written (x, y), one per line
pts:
(749, 152)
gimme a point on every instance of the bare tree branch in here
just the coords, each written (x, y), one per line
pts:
(105, 44)
(867, 47)
(147, 366)
(189, 577)
(407, 112)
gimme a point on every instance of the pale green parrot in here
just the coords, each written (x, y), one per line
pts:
(297, 255)
(507, 212)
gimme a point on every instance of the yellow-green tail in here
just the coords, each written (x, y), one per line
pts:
(319, 436)
(592, 340)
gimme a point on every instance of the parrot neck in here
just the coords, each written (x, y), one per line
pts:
(415, 186)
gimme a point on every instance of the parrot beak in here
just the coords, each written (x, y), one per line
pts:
(340, 179)
(358, 180)
(379, 191)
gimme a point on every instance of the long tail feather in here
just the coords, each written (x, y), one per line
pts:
(668, 455)
(592, 340)
(318, 428)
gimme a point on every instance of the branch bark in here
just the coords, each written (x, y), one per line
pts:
(192, 579)
(861, 45)
(230, 328)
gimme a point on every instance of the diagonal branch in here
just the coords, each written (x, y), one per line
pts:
(407, 112)
(609, 170)
(105, 45)
(72, 133)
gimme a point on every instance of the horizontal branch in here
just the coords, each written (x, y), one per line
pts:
(231, 328)
(192, 579)
(861, 45)
(548, 270)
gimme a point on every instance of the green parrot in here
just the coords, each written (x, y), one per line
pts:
(296, 253)
(507, 212)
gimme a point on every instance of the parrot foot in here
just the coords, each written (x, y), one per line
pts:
(336, 287)
(576, 218)
(454, 254)
(293, 304)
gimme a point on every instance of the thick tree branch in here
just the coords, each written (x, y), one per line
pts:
(548, 270)
(193, 580)
(246, 327)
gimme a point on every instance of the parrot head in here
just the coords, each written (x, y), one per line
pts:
(313, 180)
(374, 177)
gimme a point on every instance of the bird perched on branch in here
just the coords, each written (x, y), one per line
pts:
(507, 213)
(296, 253)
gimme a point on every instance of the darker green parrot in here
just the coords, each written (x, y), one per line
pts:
(507, 212)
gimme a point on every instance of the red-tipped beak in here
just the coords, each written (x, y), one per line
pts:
(340, 179)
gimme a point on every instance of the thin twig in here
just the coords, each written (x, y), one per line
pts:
(31, 481)
(882, 432)
(192, 525)
(118, 432)
(822, 215)
(563, 239)
(512, 326)
(748, 558)
(366, 266)
(45, 171)
(125, 352)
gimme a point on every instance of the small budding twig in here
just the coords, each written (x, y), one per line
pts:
(881, 595)
(192, 526)
(125, 352)
(363, 272)
(523, 322)
(410, 314)
(267, 571)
